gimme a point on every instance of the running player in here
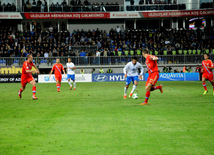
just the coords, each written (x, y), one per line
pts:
(207, 66)
(58, 68)
(70, 73)
(151, 63)
(27, 77)
(131, 75)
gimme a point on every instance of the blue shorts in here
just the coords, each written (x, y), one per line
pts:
(72, 77)
(130, 79)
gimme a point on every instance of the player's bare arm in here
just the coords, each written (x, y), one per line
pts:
(72, 68)
(64, 71)
(36, 68)
(154, 58)
(50, 73)
(125, 75)
(140, 77)
(31, 71)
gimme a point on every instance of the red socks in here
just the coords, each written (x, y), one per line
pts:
(34, 90)
(205, 86)
(20, 91)
(58, 87)
(147, 96)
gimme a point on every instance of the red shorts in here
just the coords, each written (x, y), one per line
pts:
(24, 81)
(153, 78)
(58, 78)
(208, 76)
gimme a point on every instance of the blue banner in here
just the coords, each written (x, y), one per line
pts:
(192, 77)
(108, 77)
(162, 77)
(176, 76)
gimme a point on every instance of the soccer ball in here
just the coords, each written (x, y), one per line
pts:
(135, 96)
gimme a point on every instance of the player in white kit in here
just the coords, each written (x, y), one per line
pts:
(131, 75)
(70, 73)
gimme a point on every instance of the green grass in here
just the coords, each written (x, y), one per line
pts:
(95, 119)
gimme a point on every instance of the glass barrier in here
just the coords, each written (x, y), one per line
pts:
(105, 8)
(110, 60)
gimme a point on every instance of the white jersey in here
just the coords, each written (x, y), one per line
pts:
(132, 70)
(70, 65)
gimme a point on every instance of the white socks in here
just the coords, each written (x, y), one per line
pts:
(125, 90)
(133, 88)
(69, 82)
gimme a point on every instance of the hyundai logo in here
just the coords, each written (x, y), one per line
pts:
(101, 78)
(47, 78)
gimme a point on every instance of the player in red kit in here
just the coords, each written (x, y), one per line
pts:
(27, 77)
(58, 68)
(151, 63)
(207, 66)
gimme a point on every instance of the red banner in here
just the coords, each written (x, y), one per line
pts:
(155, 14)
(124, 15)
(67, 15)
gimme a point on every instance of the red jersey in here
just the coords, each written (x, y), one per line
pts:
(57, 68)
(152, 65)
(205, 64)
(26, 66)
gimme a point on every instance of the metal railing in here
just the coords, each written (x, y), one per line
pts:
(106, 8)
(110, 60)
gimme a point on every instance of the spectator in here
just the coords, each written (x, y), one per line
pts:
(109, 70)
(198, 69)
(190, 69)
(46, 55)
(118, 29)
(176, 71)
(165, 69)
(97, 57)
(132, 2)
(101, 71)
(51, 28)
(93, 71)
(82, 71)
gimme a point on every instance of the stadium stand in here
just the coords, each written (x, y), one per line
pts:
(88, 6)
(15, 43)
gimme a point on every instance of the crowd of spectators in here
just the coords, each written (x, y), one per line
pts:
(9, 7)
(146, 5)
(85, 5)
(116, 42)
(73, 6)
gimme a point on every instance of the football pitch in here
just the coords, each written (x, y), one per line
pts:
(96, 120)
